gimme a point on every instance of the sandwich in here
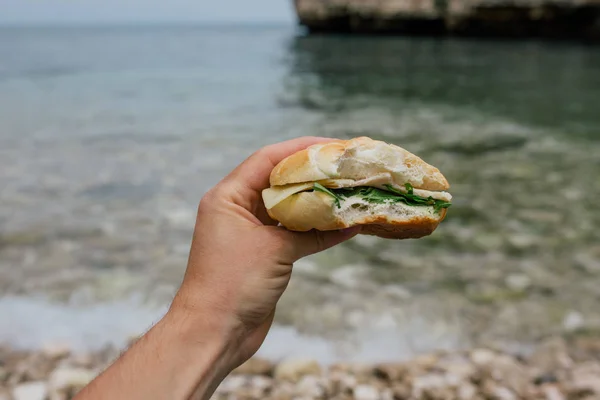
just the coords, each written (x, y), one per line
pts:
(387, 190)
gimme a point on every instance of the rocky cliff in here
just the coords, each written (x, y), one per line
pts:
(502, 18)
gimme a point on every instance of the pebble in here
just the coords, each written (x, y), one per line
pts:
(573, 321)
(396, 291)
(482, 357)
(294, 369)
(310, 386)
(56, 350)
(255, 366)
(349, 277)
(366, 392)
(30, 391)
(390, 372)
(586, 378)
(511, 373)
(552, 392)
(518, 282)
(466, 391)
(550, 356)
(70, 378)
(548, 374)
(232, 384)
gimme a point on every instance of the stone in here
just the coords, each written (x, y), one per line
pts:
(493, 390)
(396, 291)
(460, 368)
(587, 262)
(30, 391)
(518, 282)
(586, 378)
(425, 362)
(466, 391)
(255, 366)
(502, 393)
(550, 356)
(294, 369)
(573, 321)
(341, 382)
(56, 350)
(508, 371)
(482, 357)
(70, 378)
(552, 392)
(430, 385)
(366, 392)
(261, 382)
(349, 277)
(401, 391)
(84, 360)
(255, 387)
(390, 372)
(232, 384)
(310, 386)
(283, 391)
(523, 241)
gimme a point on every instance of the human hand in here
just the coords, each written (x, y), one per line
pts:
(240, 264)
(241, 261)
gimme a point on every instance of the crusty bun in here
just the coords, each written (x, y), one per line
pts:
(345, 164)
(356, 159)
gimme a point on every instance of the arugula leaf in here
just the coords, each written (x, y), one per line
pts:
(380, 196)
(320, 188)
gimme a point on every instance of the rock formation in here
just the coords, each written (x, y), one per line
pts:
(559, 19)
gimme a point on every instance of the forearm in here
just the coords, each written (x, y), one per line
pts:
(180, 358)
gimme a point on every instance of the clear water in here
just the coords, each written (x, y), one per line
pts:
(109, 136)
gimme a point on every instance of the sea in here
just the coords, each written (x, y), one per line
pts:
(110, 136)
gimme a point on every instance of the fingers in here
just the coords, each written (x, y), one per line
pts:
(301, 244)
(245, 183)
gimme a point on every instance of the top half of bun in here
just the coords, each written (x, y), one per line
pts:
(357, 159)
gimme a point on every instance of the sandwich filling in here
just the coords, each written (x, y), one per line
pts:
(390, 195)
(378, 189)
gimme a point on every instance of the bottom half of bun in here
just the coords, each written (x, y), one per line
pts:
(316, 210)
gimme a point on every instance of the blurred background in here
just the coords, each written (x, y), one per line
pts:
(116, 117)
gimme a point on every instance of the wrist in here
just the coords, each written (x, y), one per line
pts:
(207, 345)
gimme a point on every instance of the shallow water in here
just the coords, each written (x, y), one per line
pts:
(110, 136)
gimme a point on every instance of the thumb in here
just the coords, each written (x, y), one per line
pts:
(302, 244)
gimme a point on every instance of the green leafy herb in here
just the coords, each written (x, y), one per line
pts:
(320, 188)
(379, 196)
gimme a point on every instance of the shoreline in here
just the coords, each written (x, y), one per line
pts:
(555, 370)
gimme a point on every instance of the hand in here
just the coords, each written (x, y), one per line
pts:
(241, 261)
(240, 264)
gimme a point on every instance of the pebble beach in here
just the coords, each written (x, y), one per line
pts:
(555, 370)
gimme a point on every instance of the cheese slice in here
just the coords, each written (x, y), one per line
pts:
(275, 195)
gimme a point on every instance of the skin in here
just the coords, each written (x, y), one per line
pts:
(239, 266)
